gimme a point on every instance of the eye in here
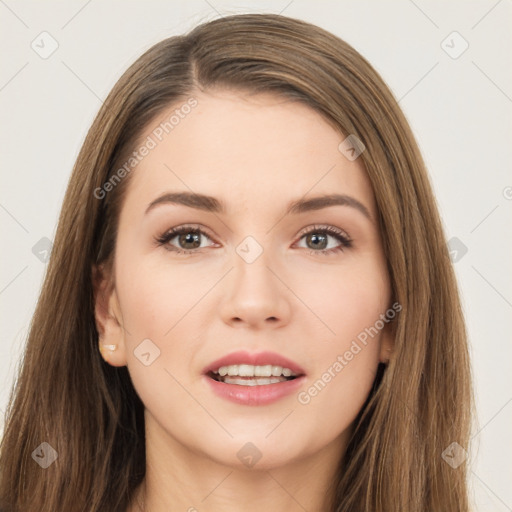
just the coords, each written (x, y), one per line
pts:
(188, 239)
(317, 239)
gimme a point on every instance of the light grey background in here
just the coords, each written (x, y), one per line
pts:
(459, 108)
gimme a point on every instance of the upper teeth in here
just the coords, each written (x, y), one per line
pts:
(248, 370)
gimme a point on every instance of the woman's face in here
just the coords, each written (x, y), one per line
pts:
(308, 283)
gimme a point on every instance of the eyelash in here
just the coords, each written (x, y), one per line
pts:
(165, 238)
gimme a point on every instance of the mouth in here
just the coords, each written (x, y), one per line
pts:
(250, 375)
(253, 369)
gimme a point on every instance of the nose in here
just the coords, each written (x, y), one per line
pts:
(255, 295)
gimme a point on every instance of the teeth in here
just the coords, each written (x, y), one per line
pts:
(244, 370)
(264, 371)
(248, 370)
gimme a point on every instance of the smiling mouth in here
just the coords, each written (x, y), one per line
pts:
(249, 375)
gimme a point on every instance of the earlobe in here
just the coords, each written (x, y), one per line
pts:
(107, 316)
(106, 351)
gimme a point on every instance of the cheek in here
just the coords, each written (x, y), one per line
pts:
(346, 357)
(155, 296)
(345, 300)
(164, 302)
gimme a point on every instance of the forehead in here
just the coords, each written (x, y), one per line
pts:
(244, 147)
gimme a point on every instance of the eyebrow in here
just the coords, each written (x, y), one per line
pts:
(214, 205)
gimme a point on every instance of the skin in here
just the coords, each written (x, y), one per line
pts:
(256, 153)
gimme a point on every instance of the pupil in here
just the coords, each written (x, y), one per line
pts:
(317, 237)
(190, 238)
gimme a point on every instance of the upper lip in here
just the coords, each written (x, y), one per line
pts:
(255, 359)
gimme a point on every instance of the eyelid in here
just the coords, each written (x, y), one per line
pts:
(323, 227)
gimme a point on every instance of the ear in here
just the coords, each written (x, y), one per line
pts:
(387, 342)
(108, 317)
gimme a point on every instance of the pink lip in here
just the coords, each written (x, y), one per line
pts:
(258, 359)
(255, 395)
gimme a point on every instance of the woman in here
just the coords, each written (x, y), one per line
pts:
(250, 303)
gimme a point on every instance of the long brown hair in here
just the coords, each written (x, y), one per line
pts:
(89, 412)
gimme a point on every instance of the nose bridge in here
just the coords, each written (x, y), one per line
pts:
(255, 295)
(252, 262)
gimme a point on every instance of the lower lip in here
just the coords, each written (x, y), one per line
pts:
(255, 395)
